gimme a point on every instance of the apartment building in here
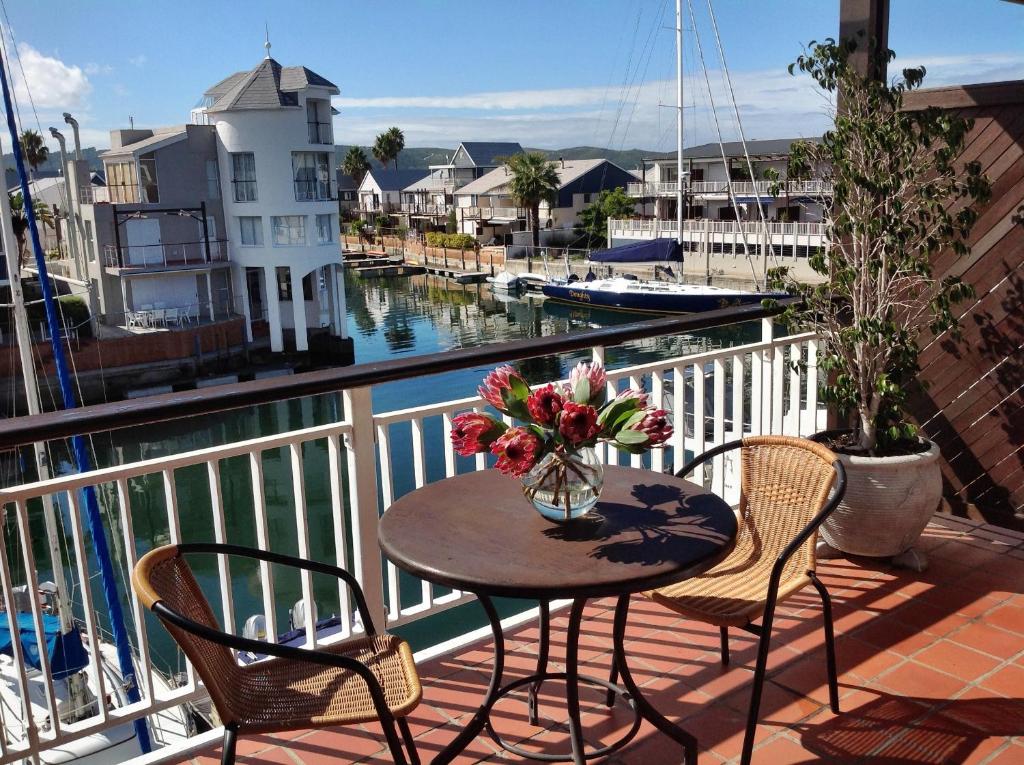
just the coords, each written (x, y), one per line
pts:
(235, 214)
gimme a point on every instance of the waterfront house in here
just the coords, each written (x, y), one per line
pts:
(381, 190)
(486, 210)
(722, 226)
(427, 202)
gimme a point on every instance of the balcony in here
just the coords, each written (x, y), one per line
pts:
(313, 191)
(721, 188)
(93, 195)
(649, 227)
(927, 664)
(492, 213)
(416, 208)
(164, 256)
(320, 132)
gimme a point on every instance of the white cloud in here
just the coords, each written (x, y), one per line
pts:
(772, 104)
(92, 68)
(139, 60)
(51, 82)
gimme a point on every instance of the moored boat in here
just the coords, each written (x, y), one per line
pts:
(651, 297)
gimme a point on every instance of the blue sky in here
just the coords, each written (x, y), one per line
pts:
(548, 74)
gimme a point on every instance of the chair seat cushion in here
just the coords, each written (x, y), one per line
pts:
(733, 593)
(285, 694)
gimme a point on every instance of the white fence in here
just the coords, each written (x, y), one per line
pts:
(769, 386)
(721, 188)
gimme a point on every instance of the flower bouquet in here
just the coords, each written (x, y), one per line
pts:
(553, 450)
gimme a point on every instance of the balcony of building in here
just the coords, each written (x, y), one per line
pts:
(721, 189)
(179, 256)
(929, 665)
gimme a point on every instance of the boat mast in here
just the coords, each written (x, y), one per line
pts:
(83, 462)
(680, 195)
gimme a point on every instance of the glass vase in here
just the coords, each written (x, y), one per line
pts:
(565, 486)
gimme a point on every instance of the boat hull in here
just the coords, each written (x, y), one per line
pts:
(646, 302)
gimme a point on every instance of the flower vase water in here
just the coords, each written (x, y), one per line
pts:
(564, 486)
(553, 450)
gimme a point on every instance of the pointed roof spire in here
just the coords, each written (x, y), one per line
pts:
(266, 43)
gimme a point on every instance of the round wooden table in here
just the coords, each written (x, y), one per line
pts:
(477, 533)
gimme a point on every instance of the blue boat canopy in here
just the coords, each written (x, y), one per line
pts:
(659, 250)
(65, 652)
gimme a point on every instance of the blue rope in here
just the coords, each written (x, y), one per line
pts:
(81, 454)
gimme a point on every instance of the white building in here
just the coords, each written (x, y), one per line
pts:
(275, 155)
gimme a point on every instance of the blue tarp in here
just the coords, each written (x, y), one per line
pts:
(659, 250)
(65, 651)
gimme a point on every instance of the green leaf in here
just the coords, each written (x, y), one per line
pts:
(581, 394)
(630, 437)
(519, 388)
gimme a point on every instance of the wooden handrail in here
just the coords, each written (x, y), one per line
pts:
(18, 431)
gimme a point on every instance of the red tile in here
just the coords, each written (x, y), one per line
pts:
(332, 744)
(919, 681)
(782, 751)
(1008, 681)
(990, 640)
(1011, 755)
(1008, 617)
(957, 660)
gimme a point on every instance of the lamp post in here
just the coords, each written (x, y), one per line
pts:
(71, 217)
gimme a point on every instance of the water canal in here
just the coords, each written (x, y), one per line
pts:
(388, 318)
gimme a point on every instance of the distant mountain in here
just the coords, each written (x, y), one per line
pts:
(424, 156)
(51, 166)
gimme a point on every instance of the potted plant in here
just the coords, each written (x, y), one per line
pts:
(552, 451)
(899, 196)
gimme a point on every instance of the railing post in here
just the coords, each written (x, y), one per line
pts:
(362, 478)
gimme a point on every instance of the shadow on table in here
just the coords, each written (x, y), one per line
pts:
(670, 526)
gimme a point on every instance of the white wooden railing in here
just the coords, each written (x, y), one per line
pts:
(769, 386)
(705, 225)
(740, 188)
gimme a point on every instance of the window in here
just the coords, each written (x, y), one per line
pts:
(318, 120)
(289, 230)
(212, 179)
(307, 287)
(121, 181)
(244, 176)
(324, 229)
(284, 284)
(251, 229)
(147, 180)
(311, 171)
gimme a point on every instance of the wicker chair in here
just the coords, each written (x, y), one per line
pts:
(372, 678)
(788, 487)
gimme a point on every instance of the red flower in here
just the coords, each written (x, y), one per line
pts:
(595, 376)
(578, 423)
(473, 433)
(516, 450)
(497, 381)
(544, 404)
(656, 426)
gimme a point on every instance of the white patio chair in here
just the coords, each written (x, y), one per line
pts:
(172, 316)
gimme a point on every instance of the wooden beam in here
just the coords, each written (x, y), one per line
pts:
(870, 17)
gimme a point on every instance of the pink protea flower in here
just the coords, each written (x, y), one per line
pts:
(516, 450)
(656, 426)
(578, 423)
(497, 381)
(594, 374)
(544, 404)
(473, 433)
(639, 396)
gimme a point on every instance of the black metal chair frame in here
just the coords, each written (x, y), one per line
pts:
(327, 659)
(764, 630)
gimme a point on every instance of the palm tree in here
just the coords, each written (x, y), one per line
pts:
(398, 141)
(534, 180)
(388, 146)
(19, 221)
(34, 149)
(355, 164)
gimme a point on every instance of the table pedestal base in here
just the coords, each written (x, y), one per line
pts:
(628, 691)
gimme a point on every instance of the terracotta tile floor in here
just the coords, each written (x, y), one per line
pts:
(931, 670)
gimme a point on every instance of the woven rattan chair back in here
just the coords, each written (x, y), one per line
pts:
(784, 483)
(167, 577)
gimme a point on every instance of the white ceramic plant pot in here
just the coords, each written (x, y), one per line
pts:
(888, 502)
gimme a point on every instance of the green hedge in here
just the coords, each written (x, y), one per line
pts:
(454, 241)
